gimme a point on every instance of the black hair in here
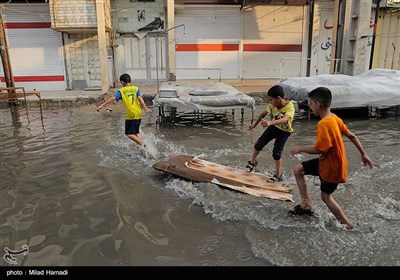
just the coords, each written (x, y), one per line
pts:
(276, 91)
(321, 94)
(125, 78)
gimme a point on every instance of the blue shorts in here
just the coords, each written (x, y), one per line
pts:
(311, 168)
(132, 126)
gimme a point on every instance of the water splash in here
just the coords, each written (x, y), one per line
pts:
(389, 209)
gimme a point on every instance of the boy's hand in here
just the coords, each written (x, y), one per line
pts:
(99, 107)
(251, 127)
(367, 161)
(265, 123)
(147, 110)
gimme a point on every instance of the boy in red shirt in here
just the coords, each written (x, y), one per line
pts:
(331, 166)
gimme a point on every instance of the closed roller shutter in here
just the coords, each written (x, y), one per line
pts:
(274, 41)
(35, 49)
(209, 49)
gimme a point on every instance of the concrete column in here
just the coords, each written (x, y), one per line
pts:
(171, 35)
(101, 36)
(379, 43)
(362, 52)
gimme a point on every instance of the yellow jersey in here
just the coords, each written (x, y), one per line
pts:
(129, 95)
(276, 114)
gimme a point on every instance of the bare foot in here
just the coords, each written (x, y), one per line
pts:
(349, 227)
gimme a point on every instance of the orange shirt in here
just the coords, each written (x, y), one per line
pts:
(333, 163)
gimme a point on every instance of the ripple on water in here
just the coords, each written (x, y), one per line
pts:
(389, 209)
(209, 245)
(244, 256)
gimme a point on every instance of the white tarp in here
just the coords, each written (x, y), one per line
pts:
(379, 88)
(201, 96)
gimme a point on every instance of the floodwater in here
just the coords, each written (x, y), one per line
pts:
(77, 192)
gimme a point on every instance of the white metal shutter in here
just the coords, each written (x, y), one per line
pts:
(209, 49)
(274, 41)
(35, 49)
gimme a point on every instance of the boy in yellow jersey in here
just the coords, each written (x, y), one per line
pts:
(279, 127)
(134, 103)
(331, 166)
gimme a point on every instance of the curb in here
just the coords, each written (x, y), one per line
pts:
(260, 97)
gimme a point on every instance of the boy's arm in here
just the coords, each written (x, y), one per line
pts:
(259, 118)
(305, 149)
(364, 157)
(112, 98)
(266, 123)
(145, 108)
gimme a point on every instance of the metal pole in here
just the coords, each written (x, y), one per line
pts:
(157, 63)
(167, 72)
(161, 60)
(336, 12)
(310, 36)
(374, 33)
(394, 50)
(148, 60)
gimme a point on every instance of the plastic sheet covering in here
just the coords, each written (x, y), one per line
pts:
(202, 96)
(379, 88)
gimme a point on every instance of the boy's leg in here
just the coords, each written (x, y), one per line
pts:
(251, 165)
(301, 184)
(136, 138)
(264, 139)
(279, 144)
(132, 130)
(254, 155)
(336, 210)
(278, 168)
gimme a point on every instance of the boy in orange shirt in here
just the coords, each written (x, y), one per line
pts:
(331, 166)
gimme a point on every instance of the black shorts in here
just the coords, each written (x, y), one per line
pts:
(272, 132)
(311, 168)
(132, 126)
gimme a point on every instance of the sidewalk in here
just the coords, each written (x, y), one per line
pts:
(254, 88)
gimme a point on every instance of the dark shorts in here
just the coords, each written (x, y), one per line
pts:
(272, 132)
(311, 168)
(132, 126)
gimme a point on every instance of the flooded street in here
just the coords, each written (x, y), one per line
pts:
(78, 193)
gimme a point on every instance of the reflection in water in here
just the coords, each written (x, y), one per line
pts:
(77, 192)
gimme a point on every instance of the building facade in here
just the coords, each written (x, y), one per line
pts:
(85, 44)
